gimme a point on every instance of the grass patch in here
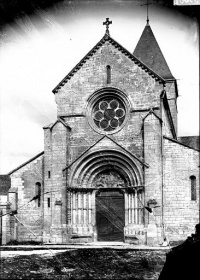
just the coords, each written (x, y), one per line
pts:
(102, 263)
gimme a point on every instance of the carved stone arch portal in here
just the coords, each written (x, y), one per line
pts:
(105, 195)
(98, 162)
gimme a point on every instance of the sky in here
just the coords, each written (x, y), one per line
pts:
(39, 48)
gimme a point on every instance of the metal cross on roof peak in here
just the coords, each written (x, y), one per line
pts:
(147, 4)
(107, 23)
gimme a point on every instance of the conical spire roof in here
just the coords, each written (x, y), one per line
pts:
(149, 52)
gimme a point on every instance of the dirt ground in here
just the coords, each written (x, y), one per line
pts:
(101, 263)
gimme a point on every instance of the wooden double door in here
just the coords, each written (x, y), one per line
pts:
(110, 215)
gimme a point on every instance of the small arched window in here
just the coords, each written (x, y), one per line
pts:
(108, 72)
(38, 192)
(193, 187)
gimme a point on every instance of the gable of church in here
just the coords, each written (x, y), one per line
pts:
(109, 92)
(94, 49)
(125, 74)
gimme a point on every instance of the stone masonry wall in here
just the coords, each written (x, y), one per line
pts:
(31, 215)
(180, 212)
(141, 89)
(153, 177)
(142, 92)
(56, 159)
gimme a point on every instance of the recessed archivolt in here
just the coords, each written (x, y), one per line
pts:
(110, 162)
(87, 168)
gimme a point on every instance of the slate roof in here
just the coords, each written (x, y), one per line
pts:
(149, 52)
(131, 56)
(22, 165)
(191, 141)
(5, 184)
(180, 143)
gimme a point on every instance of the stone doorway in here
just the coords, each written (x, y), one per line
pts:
(110, 215)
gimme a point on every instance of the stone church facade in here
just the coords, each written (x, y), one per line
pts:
(113, 167)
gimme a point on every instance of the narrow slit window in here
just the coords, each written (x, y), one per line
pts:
(49, 174)
(48, 202)
(193, 188)
(108, 70)
(38, 193)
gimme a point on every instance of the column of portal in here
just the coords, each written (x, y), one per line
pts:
(79, 208)
(126, 212)
(69, 208)
(89, 208)
(129, 208)
(132, 208)
(74, 208)
(84, 208)
(141, 209)
(93, 209)
(80, 212)
(136, 208)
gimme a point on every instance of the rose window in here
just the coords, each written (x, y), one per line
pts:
(109, 114)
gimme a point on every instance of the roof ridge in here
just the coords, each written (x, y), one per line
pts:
(108, 38)
(59, 119)
(154, 57)
(138, 61)
(26, 162)
(151, 111)
(78, 65)
(178, 142)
